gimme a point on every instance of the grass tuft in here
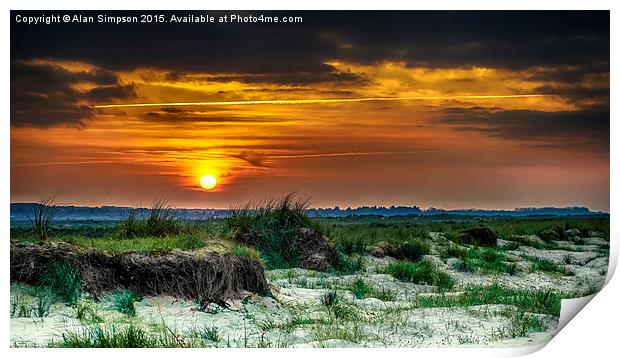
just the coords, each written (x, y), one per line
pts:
(423, 272)
(64, 280)
(161, 221)
(44, 213)
(126, 337)
(414, 250)
(274, 224)
(124, 301)
(245, 251)
(533, 301)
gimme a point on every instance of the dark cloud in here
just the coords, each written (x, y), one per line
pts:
(172, 115)
(252, 158)
(44, 94)
(329, 74)
(296, 53)
(586, 128)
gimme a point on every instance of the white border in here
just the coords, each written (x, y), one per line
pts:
(593, 331)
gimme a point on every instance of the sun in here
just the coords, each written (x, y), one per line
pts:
(208, 182)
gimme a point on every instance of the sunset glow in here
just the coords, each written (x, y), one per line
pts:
(314, 101)
(405, 113)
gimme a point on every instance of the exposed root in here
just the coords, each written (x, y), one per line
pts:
(209, 277)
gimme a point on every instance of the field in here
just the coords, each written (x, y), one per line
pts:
(379, 282)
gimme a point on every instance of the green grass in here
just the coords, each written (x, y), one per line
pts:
(523, 323)
(245, 251)
(87, 312)
(111, 336)
(140, 244)
(423, 272)
(124, 301)
(330, 298)
(533, 301)
(43, 302)
(547, 265)
(414, 250)
(161, 221)
(337, 307)
(474, 258)
(368, 231)
(44, 214)
(346, 265)
(275, 222)
(64, 280)
(208, 333)
(362, 290)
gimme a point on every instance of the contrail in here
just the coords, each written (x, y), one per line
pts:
(311, 101)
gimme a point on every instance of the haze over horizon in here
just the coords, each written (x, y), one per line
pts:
(457, 131)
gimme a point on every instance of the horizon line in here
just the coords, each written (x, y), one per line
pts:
(343, 209)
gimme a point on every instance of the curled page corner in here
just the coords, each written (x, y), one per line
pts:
(571, 307)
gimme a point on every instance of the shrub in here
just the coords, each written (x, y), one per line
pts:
(423, 272)
(414, 250)
(64, 280)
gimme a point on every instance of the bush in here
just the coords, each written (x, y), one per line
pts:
(414, 250)
(423, 272)
(64, 280)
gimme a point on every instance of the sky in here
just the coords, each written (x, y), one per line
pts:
(491, 110)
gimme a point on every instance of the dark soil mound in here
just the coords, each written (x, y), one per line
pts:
(315, 250)
(480, 236)
(208, 277)
(311, 248)
(390, 249)
(551, 234)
